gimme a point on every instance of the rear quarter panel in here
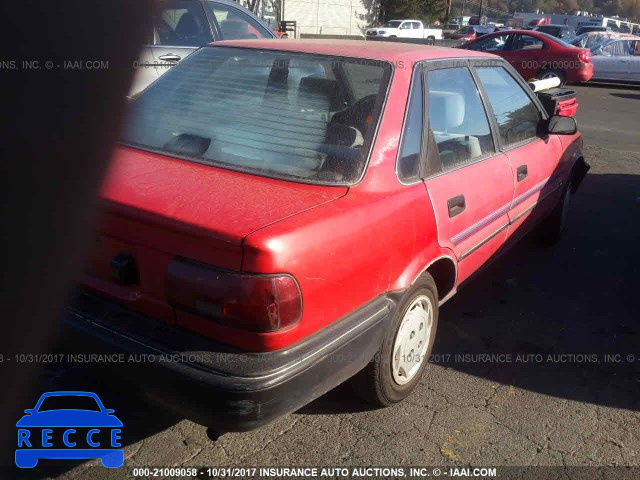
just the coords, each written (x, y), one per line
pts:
(346, 253)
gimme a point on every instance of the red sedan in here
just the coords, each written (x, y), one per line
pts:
(537, 55)
(283, 216)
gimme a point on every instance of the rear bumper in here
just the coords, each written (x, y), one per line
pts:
(582, 74)
(217, 385)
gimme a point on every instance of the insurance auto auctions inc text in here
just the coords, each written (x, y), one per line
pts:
(362, 472)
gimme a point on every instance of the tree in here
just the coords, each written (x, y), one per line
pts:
(425, 10)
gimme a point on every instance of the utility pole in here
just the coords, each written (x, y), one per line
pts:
(480, 13)
(448, 10)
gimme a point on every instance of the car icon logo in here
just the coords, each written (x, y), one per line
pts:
(69, 425)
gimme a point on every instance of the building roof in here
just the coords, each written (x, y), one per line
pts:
(376, 50)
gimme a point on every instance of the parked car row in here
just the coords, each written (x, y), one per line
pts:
(536, 54)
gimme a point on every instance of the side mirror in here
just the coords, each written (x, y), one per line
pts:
(109, 411)
(559, 125)
(29, 411)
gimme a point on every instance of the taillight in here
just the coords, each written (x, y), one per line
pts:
(260, 303)
(585, 56)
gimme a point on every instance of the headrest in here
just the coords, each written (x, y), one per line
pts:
(446, 110)
(312, 96)
(321, 87)
(187, 25)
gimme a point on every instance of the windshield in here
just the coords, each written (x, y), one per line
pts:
(392, 24)
(299, 116)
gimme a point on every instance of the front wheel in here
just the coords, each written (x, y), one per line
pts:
(398, 365)
(551, 229)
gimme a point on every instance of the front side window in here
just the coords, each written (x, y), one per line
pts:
(235, 24)
(620, 48)
(290, 115)
(490, 44)
(527, 42)
(457, 117)
(517, 116)
(181, 23)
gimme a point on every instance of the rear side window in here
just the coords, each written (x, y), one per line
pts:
(235, 24)
(181, 23)
(290, 115)
(516, 114)
(457, 117)
(527, 42)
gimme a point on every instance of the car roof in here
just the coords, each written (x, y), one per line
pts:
(375, 50)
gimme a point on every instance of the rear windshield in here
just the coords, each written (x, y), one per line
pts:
(69, 402)
(304, 117)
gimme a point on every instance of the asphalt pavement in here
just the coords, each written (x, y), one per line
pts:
(537, 360)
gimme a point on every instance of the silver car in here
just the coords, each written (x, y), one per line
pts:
(181, 26)
(617, 60)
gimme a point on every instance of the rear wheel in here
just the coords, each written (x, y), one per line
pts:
(431, 40)
(551, 73)
(398, 365)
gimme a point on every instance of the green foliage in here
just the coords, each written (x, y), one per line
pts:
(608, 8)
(425, 10)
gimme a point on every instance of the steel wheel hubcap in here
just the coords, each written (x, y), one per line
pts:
(412, 340)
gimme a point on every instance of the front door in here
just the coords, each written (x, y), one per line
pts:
(471, 188)
(534, 159)
(613, 61)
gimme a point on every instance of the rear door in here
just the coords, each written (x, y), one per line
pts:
(180, 27)
(535, 159)
(470, 183)
(526, 54)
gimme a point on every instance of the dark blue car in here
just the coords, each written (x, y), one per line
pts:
(69, 414)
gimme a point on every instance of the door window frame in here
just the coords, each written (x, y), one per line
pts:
(433, 165)
(416, 78)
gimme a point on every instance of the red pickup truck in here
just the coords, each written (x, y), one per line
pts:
(283, 216)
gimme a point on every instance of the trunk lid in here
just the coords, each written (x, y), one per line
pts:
(157, 207)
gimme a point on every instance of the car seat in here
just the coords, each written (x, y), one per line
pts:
(447, 113)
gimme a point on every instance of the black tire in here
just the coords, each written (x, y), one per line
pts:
(552, 72)
(550, 231)
(431, 40)
(375, 383)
